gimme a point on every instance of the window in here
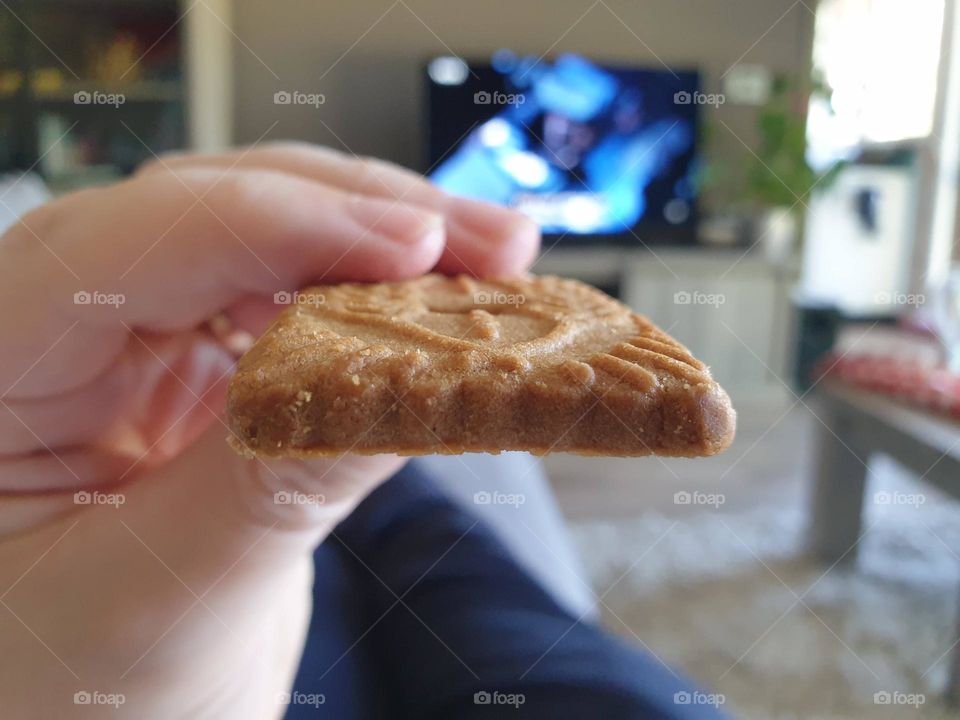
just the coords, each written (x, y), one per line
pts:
(878, 60)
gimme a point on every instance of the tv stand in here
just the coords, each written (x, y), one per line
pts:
(730, 306)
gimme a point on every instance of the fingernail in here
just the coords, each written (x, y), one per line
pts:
(486, 221)
(506, 242)
(395, 221)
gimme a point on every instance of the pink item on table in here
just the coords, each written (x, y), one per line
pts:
(932, 387)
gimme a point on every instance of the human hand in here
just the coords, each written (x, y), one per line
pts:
(181, 586)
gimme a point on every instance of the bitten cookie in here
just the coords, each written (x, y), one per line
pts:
(452, 365)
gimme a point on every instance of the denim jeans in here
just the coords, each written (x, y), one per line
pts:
(420, 612)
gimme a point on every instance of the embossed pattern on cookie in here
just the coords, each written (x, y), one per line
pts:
(450, 365)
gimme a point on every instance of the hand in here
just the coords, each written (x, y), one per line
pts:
(140, 557)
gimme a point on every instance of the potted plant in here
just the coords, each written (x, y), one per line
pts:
(778, 178)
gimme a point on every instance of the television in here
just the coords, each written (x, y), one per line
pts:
(593, 153)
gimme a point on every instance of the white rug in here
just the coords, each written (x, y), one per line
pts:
(716, 595)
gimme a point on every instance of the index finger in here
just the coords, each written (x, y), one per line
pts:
(482, 238)
(163, 252)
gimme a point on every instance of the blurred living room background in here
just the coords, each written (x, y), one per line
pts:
(774, 182)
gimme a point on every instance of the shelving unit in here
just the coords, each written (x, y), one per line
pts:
(89, 89)
(161, 91)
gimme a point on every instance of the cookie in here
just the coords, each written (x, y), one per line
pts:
(452, 365)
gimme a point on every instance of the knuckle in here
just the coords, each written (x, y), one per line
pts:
(293, 146)
(243, 190)
(375, 174)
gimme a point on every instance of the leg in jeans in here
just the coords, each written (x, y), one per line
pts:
(439, 612)
(526, 530)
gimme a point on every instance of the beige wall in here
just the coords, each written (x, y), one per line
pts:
(373, 92)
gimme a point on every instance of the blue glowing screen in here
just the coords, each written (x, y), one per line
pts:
(581, 148)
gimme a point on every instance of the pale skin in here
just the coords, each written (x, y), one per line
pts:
(192, 597)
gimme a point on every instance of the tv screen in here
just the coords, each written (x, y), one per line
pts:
(588, 151)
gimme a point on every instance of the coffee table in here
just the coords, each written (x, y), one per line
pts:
(857, 424)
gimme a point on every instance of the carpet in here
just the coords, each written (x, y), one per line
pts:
(734, 601)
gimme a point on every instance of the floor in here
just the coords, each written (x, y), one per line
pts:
(767, 462)
(722, 588)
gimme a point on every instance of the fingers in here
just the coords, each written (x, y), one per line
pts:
(179, 394)
(482, 238)
(69, 420)
(182, 392)
(229, 503)
(43, 472)
(166, 251)
(37, 488)
(209, 531)
(167, 389)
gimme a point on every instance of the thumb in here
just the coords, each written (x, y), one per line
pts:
(210, 501)
(198, 563)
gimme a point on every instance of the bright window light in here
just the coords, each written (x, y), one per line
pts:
(879, 59)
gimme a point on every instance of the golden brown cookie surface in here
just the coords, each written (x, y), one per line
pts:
(450, 365)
